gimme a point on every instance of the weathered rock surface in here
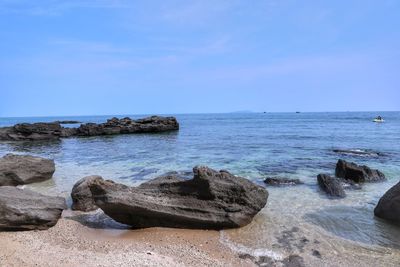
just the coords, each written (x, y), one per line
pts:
(211, 200)
(331, 185)
(31, 131)
(389, 205)
(275, 181)
(28, 210)
(24, 169)
(356, 173)
(82, 198)
(54, 130)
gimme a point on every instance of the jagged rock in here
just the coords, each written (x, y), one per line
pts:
(31, 131)
(211, 200)
(127, 125)
(24, 169)
(53, 130)
(389, 205)
(282, 181)
(27, 210)
(81, 196)
(356, 173)
(331, 185)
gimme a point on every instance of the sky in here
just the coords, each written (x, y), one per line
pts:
(97, 57)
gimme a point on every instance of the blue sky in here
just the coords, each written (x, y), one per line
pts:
(82, 57)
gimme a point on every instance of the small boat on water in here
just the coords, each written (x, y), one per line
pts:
(378, 119)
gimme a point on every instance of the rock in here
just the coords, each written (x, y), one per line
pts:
(81, 196)
(358, 152)
(31, 131)
(128, 126)
(53, 130)
(68, 122)
(331, 185)
(27, 210)
(24, 169)
(211, 200)
(356, 173)
(389, 205)
(282, 181)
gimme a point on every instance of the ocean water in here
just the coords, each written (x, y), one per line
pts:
(252, 145)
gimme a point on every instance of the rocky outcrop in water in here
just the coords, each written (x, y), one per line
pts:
(331, 185)
(28, 210)
(359, 152)
(389, 205)
(356, 173)
(23, 169)
(211, 200)
(54, 130)
(276, 181)
(81, 195)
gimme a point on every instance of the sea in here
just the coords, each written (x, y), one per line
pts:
(254, 146)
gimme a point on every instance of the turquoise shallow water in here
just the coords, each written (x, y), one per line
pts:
(253, 145)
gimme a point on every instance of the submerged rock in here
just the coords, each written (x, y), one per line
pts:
(211, 200)
(82, 196)
(356, 173)
(282, 181)
(358, 152)
(54, 131)
(28, 210)
(24, 169)
(331, 185)
(389, 205)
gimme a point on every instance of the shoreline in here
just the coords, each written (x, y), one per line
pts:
(72, 242)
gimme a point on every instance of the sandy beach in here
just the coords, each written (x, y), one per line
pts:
(73, 242)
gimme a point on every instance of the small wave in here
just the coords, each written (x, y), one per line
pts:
(258, 252)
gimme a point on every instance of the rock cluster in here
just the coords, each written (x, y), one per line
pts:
(348, 175)
(211, 200)
(24, 169)
(54, 130)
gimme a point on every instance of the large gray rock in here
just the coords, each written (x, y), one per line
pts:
(82, 196)
(389, 205)
(277, 181)
(54, 130)
(28, 210)
(356, 173)
(211, 200)
(331, 185)
(24, 169)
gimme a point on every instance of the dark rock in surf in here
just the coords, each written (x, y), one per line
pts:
(31, 132)
(27, 210)
(282, 181)
(211, 200)
(24, 169)
(389, 205)
(126, 125)
(68, 122)
(331, 185)
(54, 131)
(356, 173)
(82, 196)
